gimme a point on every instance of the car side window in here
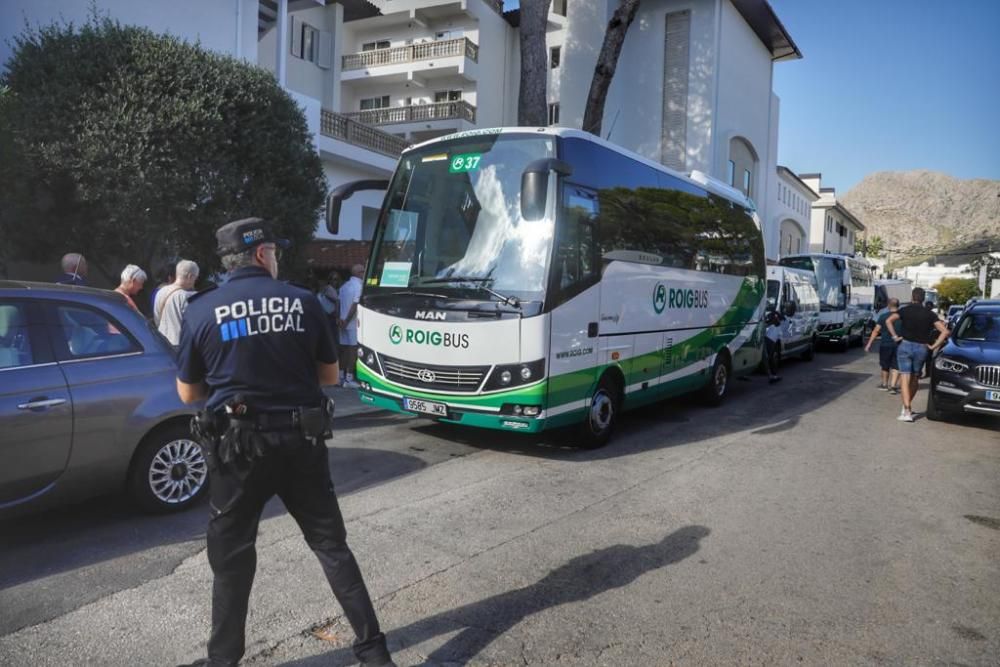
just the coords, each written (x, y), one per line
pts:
(15, 343)
(90, 333)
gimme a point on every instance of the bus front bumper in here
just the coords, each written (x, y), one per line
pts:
(458, 414)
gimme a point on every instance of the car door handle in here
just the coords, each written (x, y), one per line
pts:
(41, 403)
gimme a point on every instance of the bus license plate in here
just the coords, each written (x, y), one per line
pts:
(993, 396)
(425, 407)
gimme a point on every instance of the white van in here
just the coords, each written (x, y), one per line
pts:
(792, 292)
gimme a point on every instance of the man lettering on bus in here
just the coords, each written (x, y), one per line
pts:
(915, 335)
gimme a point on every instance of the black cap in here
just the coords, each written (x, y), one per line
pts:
(240, 235)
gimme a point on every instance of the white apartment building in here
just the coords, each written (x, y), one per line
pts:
(693, 88)
(790, 215)
(833, 228)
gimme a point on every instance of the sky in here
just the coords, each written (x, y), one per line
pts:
(890, 85)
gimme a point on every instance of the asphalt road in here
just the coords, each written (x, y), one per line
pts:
(799, 523)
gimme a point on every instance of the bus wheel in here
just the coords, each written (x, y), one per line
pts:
(602, 415)
(718, 382)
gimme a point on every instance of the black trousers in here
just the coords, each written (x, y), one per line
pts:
(299, 474)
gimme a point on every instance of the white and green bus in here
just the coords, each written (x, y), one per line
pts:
(846, 287)
(524, 279)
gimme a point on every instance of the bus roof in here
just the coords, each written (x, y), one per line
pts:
(696, 178)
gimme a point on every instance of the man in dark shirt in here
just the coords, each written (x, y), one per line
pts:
(258, 350)
(915, 335)
(886, 347)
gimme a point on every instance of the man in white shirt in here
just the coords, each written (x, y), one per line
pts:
(350, 295)
(171, 301)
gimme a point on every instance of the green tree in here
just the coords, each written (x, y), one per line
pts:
(957, 290)
(992, 264)
(873, 247)
(129, 146)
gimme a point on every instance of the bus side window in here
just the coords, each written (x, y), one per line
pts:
(576, 263)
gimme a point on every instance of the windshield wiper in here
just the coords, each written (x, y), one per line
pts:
(479, 282)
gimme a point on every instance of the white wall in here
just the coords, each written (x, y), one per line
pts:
(213, 24)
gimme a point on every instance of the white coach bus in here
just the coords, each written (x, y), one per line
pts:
(846, 288)
(525, 279)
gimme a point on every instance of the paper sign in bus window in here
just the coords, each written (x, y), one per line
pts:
(396, 274)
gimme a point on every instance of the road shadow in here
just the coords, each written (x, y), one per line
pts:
(806, 387)
(70, 537)
(480, 623)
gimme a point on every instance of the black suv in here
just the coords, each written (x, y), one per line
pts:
(966, 374)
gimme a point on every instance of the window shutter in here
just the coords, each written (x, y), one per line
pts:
(325, 50)
(296, 41)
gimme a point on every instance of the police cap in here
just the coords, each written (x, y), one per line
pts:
(239, 235)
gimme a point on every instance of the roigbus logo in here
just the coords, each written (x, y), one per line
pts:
(399, 335)
(659, 298)
(395, 334)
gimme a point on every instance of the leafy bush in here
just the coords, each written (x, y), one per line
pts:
(120, 143)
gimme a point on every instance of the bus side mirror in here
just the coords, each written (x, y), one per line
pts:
(535, 186)
(337, 196)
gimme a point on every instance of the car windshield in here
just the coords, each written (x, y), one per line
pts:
(980, 325)
(452, 222)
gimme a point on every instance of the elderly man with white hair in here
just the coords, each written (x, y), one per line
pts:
(133, 279)
(172, 300)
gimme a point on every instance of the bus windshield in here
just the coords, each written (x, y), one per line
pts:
(452, 220)
(829, 273)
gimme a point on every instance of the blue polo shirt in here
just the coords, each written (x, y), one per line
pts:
(257, 337)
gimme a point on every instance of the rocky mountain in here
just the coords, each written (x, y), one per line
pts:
(922, 213)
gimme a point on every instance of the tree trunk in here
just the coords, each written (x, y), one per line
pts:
(607, 61)
(532, 99)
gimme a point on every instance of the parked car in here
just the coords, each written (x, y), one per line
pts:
(88, 403)
(966, 373)
(954, 313)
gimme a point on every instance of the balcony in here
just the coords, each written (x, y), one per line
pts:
(399, 59)
(417, 113)
(344, 128)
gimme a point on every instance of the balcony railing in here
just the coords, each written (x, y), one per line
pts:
(350, 130)
(460, 110)
(412, 53)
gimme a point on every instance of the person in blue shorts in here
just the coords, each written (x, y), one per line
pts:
(913, 328)
(886, 348)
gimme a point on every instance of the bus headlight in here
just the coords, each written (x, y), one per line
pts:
(513, 375)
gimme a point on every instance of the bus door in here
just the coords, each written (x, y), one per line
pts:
(575, 295)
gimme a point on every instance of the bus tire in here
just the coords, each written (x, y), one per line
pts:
(717, 387)
(602, 415)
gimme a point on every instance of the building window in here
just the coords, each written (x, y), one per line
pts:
(368, 103)
(375, 46)
(559, 7)
(554, 114)
(746, 182)
(731, 173)
(554, 54)
(447, 96)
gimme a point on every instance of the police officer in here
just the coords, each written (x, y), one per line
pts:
(258, 350)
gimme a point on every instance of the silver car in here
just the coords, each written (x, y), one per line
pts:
(88, 403)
